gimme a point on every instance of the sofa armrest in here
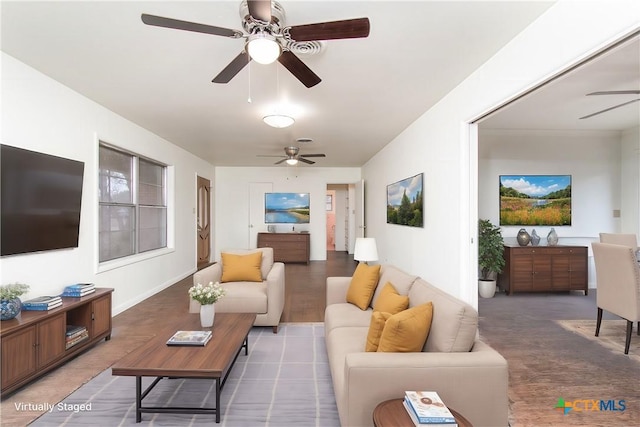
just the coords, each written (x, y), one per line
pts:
(213, 273)
(473, 383)
(337, 289)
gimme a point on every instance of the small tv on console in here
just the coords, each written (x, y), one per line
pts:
(286, 208)
(40, 198)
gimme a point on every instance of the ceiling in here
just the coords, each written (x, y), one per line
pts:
(371, 90)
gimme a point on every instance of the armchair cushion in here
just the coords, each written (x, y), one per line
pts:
(241, 268)
(267, 258)
(363, 284)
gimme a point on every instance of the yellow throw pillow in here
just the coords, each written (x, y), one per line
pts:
(378, 319)
(363, 284)
(241, 268)
(390, 301)
(407, 331)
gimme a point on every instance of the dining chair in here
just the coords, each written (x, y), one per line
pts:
(620, 239)
(618, 283)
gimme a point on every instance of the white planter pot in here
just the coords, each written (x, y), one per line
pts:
(207, 314)
(487, 288)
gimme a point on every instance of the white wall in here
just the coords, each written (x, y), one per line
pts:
(231, 204)
(630, 182)
(41, 114)
(444, 251)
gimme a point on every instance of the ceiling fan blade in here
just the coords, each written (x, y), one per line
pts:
(159, 21)
(268, 155)
(280, 161)
(234, 67)
(347, 29)
(313, 155)
(260, 10)
(610, 108)
(298, 69)
(616, 92)
(309, 162)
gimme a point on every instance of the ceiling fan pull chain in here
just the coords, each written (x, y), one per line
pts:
(249, 82)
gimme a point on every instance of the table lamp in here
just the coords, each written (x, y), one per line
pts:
(365, 249)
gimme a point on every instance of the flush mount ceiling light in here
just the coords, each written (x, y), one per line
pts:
(278, 120)
(263, 48)
(292, 162)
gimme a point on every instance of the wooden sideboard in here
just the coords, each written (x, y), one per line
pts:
(287, 247)
(544, 269)
(34, 342)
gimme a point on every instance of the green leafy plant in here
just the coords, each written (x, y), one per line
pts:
(208, 294)
(12, 291)
(490, 249)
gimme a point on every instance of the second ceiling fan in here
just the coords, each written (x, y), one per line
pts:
(267, 39)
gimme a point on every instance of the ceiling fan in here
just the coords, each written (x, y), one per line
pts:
(267, 39)
(292, 156)
(613, 92)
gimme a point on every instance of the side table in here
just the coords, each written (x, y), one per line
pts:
(391, 413)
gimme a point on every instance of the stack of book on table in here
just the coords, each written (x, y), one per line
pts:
(79, 290)
(75, 335)
(427, 409)
(42, 303)
(197, 338)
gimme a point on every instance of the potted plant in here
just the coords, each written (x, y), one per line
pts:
(207, 296)
(9, 300)
(490, 257)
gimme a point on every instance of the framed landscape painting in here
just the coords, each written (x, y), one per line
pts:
(535, 200)
(286, 208)
(404, 202)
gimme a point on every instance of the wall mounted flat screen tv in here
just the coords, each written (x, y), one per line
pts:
(40, 198)
(286, 208)
(535, 200)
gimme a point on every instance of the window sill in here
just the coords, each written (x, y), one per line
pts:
(122, 262)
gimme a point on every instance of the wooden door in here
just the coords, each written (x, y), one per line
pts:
(204, 220)
(51, 339)
(18, 355)
(541, 271)
(101, 316)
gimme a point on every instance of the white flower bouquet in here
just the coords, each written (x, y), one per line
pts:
(208, 294)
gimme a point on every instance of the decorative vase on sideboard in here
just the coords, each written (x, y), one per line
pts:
(523, 237)
(207, 314)
(10, 308)
(552, 238)
(535, 239)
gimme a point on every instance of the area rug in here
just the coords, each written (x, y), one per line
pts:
(284, 381)
(612, 335)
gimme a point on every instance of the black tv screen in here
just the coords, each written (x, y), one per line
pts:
(41, 197)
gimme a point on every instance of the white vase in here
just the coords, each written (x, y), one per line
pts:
(207, 313)
(487, 288)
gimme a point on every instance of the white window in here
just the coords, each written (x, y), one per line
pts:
(133, 204)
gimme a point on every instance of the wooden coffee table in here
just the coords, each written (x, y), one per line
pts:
(213, 361)
(391, 413)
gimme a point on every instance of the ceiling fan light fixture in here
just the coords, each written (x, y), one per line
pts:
(263, 48)
(278, 120)
(292, 162)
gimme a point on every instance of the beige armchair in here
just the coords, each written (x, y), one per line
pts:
(265, 298)
(620, 239)
(618, 281)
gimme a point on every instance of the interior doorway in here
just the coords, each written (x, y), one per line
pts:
(339, 223)
(203, 191)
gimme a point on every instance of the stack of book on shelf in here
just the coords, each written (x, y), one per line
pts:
(79, 290)
(75, 335)
(427, 409)
(42, 303)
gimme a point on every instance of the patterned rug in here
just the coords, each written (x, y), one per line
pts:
(612, 335)
(284, 381)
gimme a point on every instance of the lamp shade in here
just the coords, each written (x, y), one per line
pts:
(278, 120)
(292, 162)
(263, 48)
(366, 249)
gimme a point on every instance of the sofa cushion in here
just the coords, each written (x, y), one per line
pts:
(345, 315)
(407, 331)
(267, 258)
(378, 319)
(363, 284)
(401, 281)
(390, 301)
(241, 268)
(455, 323)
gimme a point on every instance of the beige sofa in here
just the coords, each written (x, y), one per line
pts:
(468, 375)
(265, 298)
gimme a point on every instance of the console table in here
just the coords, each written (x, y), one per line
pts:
(287, 247)
(34, 342)
(544, 269)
